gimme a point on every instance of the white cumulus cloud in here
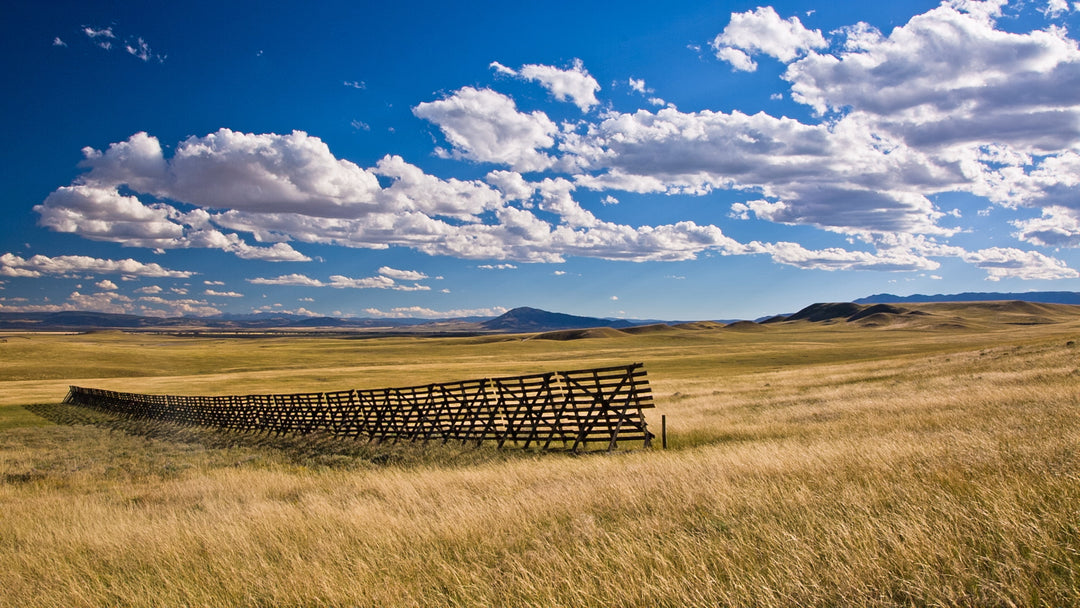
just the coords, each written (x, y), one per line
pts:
(837, 176)
(486, 126)
(39, 265)
(382, 281)
(184, 307)
(1006, 262)
(1058, 227)
(419, 312)
(574, 84)
(288, 279)
(763, 31)
(289, 188)
(402, 275)
(949, 77)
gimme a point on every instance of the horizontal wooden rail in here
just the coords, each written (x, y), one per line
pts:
(574, 410)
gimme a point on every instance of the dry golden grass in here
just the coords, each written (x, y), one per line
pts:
(808, 465)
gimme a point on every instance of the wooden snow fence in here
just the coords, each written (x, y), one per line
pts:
(575, 410)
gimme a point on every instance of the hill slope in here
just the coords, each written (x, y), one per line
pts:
(937, 314)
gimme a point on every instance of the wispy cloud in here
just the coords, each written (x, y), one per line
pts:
(104, 37)
(140, 49)
(638, 84)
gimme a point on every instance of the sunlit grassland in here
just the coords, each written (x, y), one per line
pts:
(807, 464)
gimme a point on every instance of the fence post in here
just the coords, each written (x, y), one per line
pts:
(663, 431)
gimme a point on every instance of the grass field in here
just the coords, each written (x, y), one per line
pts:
(900, 460)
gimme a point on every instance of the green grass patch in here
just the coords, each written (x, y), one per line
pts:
(14, 416)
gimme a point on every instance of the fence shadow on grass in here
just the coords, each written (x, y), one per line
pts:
(314, 450)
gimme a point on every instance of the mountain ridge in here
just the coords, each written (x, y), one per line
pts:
(519, 320)
(1043, 297)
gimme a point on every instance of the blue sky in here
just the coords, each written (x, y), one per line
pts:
(679, 160)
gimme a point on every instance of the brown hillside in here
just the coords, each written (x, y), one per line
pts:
(580, 334)
(829, 311)
(880, 319)
(937, 315)
(744, 326)
(1002, 313)
(699, 325)
(877, 309)
(657, 328)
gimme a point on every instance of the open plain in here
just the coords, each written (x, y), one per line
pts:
(928, 455)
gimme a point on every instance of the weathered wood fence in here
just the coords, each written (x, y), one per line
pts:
(574, 410)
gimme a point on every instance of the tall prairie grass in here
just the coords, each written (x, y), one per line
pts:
(807, 466)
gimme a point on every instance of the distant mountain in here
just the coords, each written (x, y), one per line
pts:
(525, 320)
(83, 320)
(1044, 297)
(519, 320)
